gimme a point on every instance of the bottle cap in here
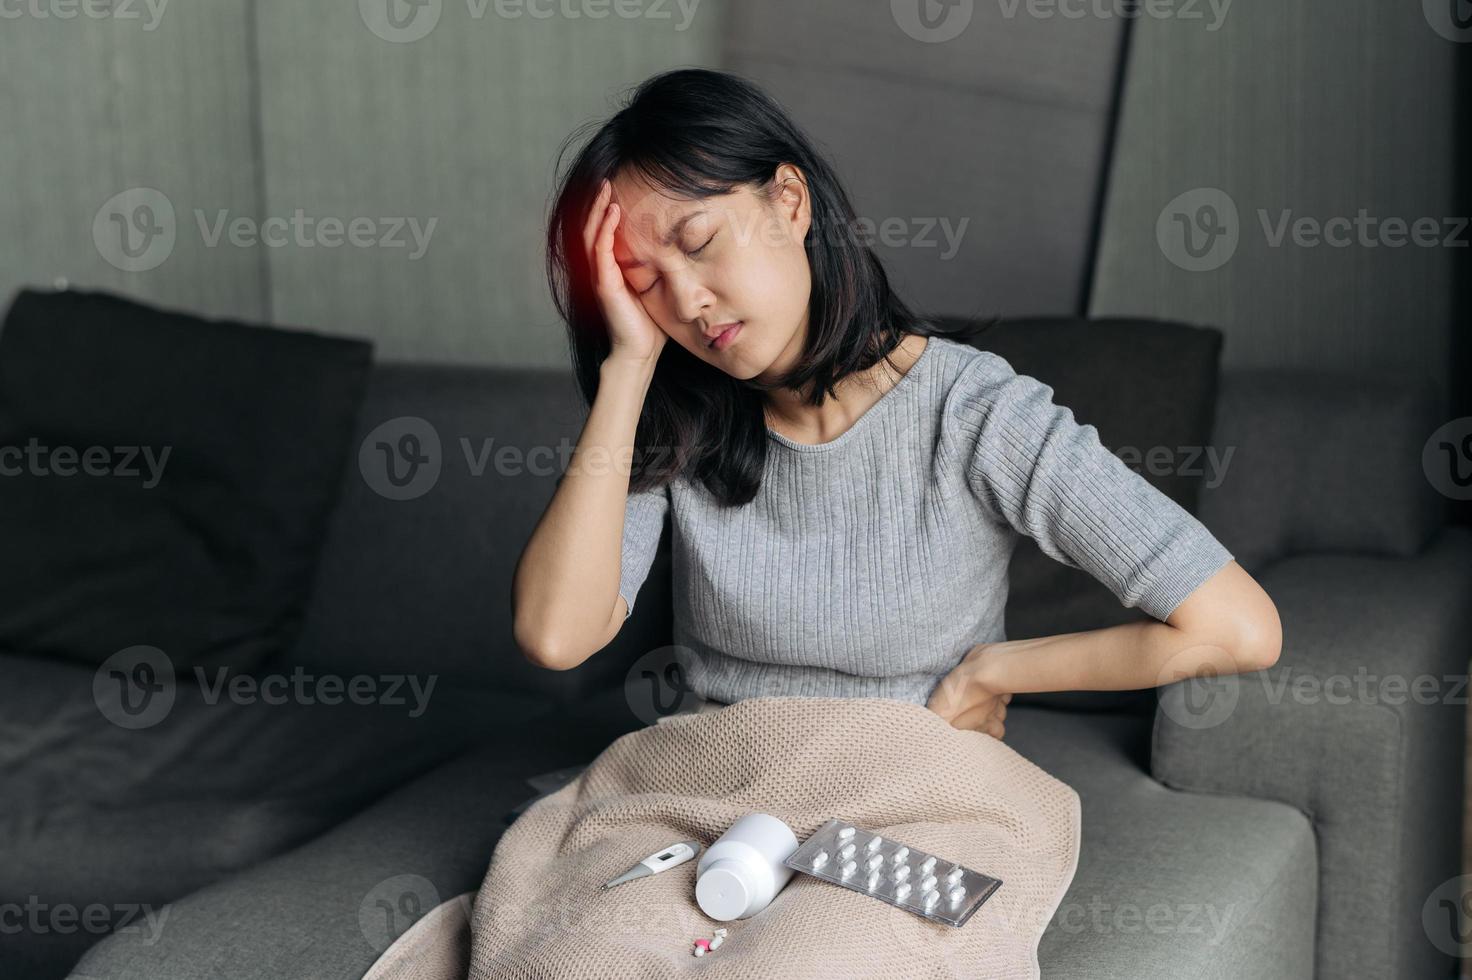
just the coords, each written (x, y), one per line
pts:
(722, 891)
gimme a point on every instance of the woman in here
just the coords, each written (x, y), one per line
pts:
(845, 481)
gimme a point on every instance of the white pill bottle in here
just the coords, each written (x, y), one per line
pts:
(742, 871)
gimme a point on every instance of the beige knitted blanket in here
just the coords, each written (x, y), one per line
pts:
(884, 765)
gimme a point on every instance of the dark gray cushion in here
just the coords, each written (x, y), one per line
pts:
(94, 813)
(1323, 462)
(421, 579)
(208, 552)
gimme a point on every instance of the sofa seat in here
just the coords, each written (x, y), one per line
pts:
(1177, 858)
(96, 814)
(1169, 884)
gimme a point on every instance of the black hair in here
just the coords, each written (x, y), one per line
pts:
(695, 133)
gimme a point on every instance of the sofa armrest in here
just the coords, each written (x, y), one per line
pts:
(1360, 725)
(328, 909)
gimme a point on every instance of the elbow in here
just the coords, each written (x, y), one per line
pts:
(546, 652)
(549, 657)
(1260, 641)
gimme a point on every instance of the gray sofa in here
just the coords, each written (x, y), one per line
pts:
(1244, 829)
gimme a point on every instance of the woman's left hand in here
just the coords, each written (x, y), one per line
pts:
(967, 699)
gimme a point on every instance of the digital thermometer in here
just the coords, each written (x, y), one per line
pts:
(661, 860)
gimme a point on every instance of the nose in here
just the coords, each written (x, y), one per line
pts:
(690, 296)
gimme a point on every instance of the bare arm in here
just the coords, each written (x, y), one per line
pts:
(1228, 625)
(564, 594)
(565, 590)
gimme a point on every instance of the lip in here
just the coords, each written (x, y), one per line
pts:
(726, 335)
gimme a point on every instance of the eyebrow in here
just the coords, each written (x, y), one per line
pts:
(668, 239)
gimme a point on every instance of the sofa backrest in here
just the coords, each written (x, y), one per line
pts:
(423, 583)
(980, 119)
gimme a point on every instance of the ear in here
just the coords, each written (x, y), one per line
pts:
(793, 204)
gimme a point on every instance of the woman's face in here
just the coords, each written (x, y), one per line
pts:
(700, 265)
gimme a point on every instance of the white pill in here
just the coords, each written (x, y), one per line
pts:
(927, 866)
(954, 876)
(820, 859)
(699, 950)
(721, 931)
(846, 851)
(927, 884)
(716, 942)
(931, 898)
(957, 894)
(873, 880)
(902, 872)
(845, 833)
(873, 844)
(874, 862)
(849, 868)
(901, 855)
(901, 890)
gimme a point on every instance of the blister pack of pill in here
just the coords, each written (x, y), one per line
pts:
(905, 877)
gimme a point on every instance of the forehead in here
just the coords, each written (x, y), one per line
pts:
(652, 218)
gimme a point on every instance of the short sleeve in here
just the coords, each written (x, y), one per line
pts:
(644, 516)
(1031, 465)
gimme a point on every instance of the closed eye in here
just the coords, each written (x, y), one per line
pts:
(695, 254)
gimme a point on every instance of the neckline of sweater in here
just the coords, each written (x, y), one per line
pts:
(906, 382)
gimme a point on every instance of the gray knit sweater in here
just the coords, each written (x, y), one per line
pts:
(867, 566)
